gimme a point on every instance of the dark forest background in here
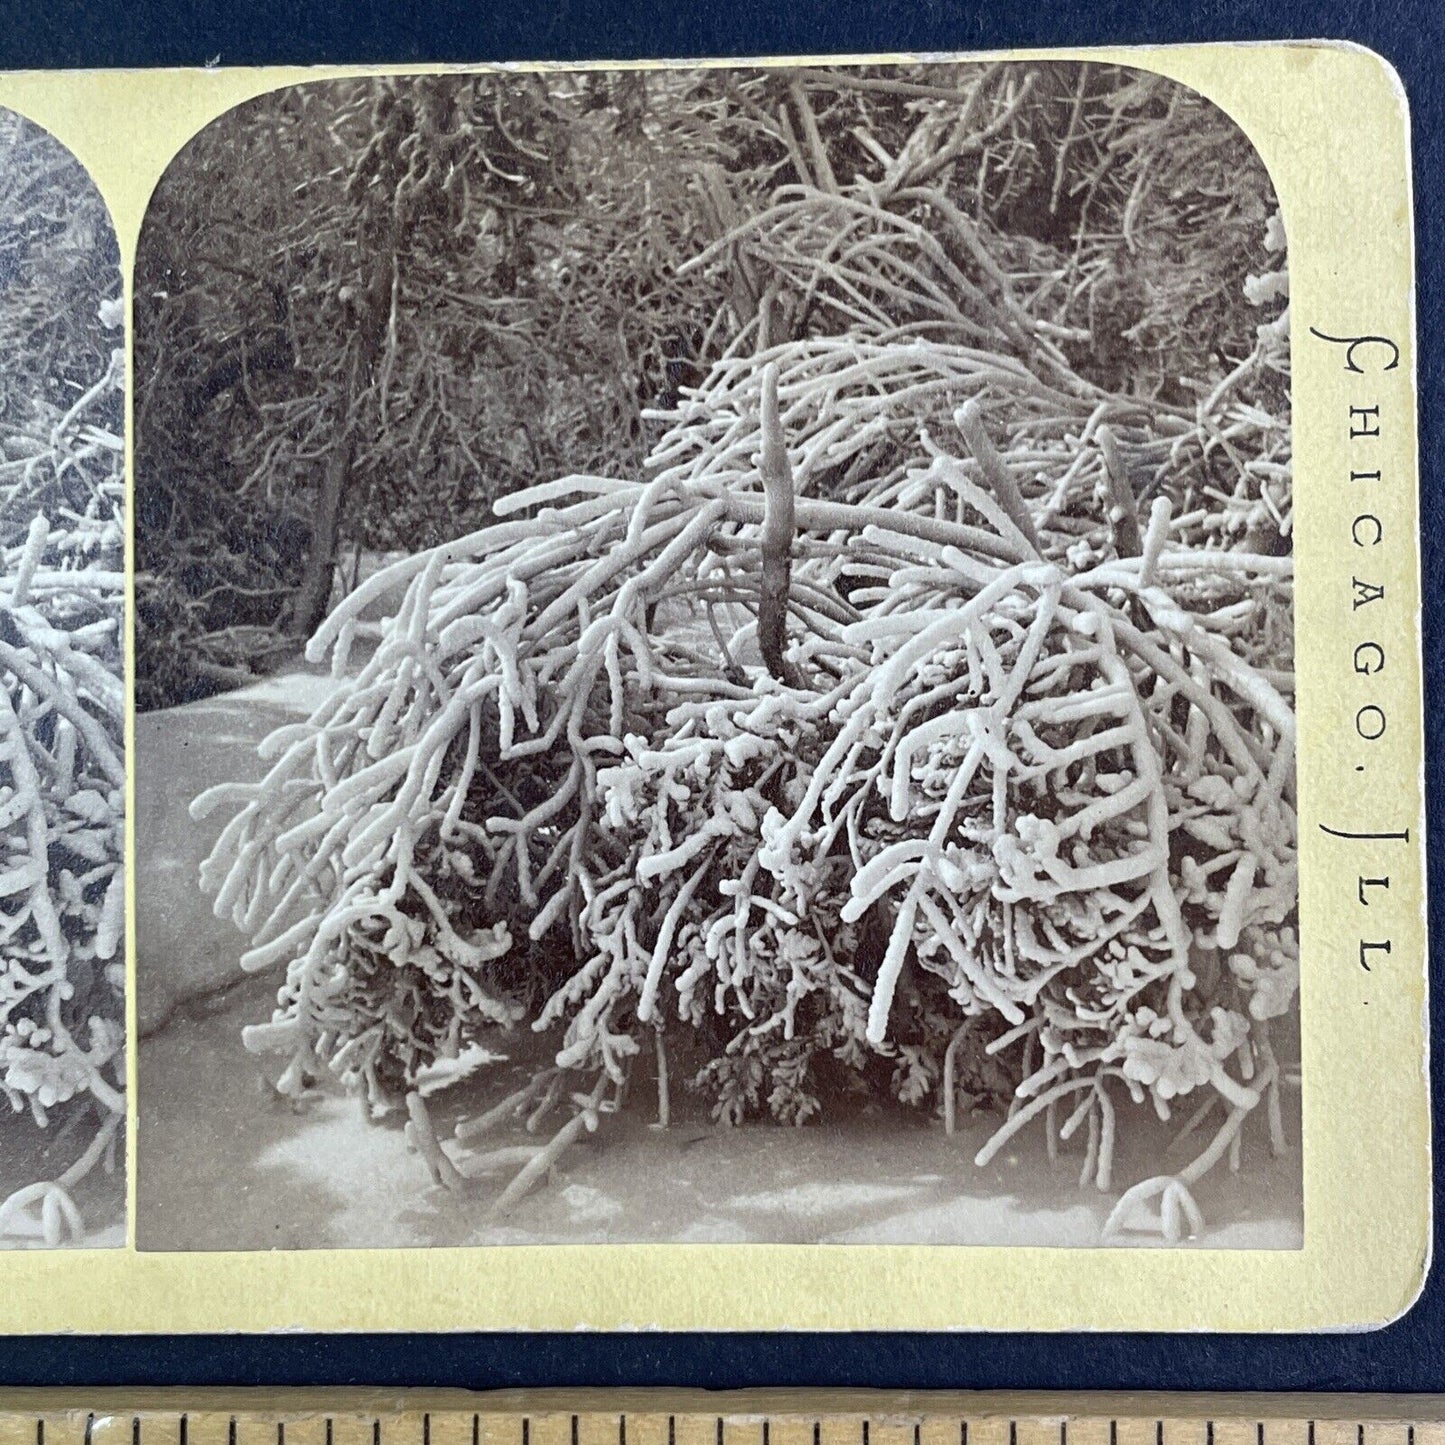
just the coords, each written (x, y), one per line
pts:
(364, 309)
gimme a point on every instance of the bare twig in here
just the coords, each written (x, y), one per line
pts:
(1124, 506)
(969, 419)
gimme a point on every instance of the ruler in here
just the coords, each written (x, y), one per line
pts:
(779, 1417)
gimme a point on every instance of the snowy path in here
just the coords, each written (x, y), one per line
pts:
(225, 1164)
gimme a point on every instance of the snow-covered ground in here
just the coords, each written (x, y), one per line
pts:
(29, 1155)
(224, 1163)
(182, 949)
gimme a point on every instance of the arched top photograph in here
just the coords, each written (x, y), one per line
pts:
(715, 655)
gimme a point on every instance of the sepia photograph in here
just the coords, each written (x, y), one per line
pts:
(62, 702)
(714, 664)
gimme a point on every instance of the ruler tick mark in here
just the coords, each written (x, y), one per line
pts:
(259, 1425)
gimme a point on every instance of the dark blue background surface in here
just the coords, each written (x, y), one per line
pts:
(1409, 1356)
